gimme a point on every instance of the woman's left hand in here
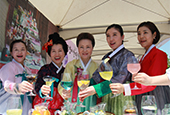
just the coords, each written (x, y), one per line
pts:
(86, 93)
(66, 94)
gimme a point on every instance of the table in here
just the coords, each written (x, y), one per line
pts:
(107, 113)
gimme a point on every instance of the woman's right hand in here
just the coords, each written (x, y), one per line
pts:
(66, 94)
(25, 86)
(116, 88)
(45, 90)
(142, 78)
(86, 93)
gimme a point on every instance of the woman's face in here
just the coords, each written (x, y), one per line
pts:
(19, 52)
(85, 49)
(57, 54)
(114, 38)
(145, 37)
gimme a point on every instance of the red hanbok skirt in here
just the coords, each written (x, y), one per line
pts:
(55, 103)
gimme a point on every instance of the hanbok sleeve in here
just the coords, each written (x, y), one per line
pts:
(7, 75)
(143, 89)
(157, 67)
(102, 88)
(7, 72)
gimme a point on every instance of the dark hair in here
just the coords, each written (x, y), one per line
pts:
(88, 36)
(57, 40)
(117, 27)
(16, 41)
(153, 28)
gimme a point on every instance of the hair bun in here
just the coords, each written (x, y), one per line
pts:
(54, 36)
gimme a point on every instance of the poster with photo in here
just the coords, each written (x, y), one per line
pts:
(24, 26)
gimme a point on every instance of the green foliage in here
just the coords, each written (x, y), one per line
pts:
(14, 14)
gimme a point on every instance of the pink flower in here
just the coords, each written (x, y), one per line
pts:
(78, 71)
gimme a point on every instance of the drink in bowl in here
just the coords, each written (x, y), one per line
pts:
(66, 83)
(130, 108)
(48, 81)
(105, 70)
(14, 106)
(40, 109)
(31, 78)
(133, 66)
(67, 109)
(99, 109)
(14, 112)
(83, 81)
(148, 105)
(107, 75)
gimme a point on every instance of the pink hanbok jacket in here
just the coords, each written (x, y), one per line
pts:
(7, 76)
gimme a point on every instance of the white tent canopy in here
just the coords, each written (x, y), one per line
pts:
(76, 16)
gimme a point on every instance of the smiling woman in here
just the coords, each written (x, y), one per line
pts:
(57, 54)
(56, 48)
(85, 43)
(18, 52)
(11, 83)
(153, 62)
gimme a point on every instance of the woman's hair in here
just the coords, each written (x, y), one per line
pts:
(88, 36)
(151, 26)
(57, 40)
(117, 27)
(16, 41)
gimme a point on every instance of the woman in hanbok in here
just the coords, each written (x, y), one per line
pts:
(13, 84)
(118, 61)
(153, 63)
(56, 48)
(85, 43)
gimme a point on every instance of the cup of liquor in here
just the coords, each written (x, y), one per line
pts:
(148, 105)
(40, 109)
(14, 106)
(130, 108)
(31, 78)
(166, 109)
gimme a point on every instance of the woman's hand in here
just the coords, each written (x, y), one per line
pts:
(25, 86)
(116, 88)
(142, 78)
(66, 94)
(45, 89)
(86, 93)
